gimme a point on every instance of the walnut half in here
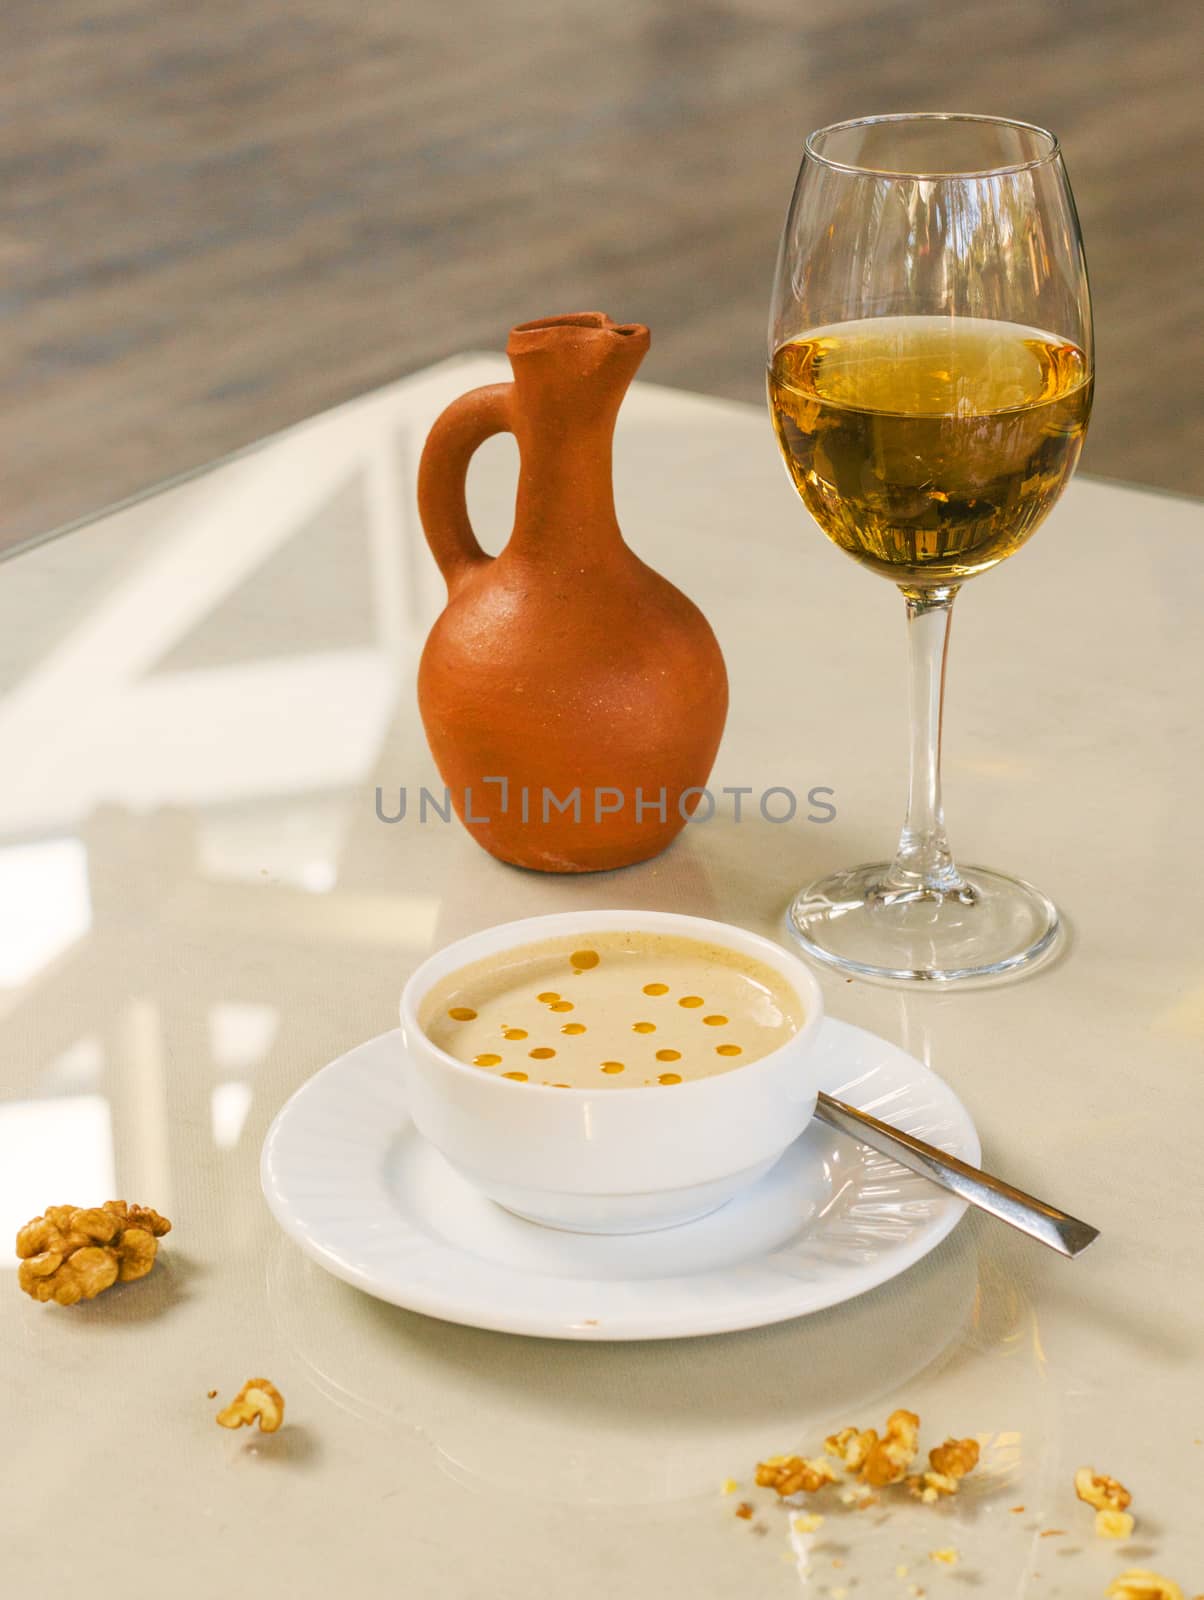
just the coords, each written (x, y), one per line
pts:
(1114, 1524)
(74, 1253)
(257, 1401)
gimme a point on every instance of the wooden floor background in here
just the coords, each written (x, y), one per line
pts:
(216, 219)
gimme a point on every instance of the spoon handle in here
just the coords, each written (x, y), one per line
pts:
(1052, 1227)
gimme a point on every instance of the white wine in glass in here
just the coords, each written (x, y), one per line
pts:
(930, 381)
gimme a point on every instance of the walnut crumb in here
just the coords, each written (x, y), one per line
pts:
(948, 1464)
(857, 1496)
(212, 1395)
(1114, 1524)
(74, 1253)
(1100, 1492)
(891, 1456)
(955, 1458)
(878, 1460)
(744, 1511)
(257, 1401)
(788, 1475)
(1140, 1584)
(851, 1446)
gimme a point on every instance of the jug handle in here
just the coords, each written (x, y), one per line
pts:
(443, 470)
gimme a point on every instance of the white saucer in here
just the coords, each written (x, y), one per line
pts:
(349, 1179)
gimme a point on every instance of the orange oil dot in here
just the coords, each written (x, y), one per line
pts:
(514, 1033)
(612, 1067)
(561, 1005)
(717, 1021)
(518, 1077)
(461, 1013)
(547, 997)
(691, 1000)
(668, 1055)
(573, 1027)
(643, 1027)
(656, 988)
(669, 1077)
(486, 1060)
(558, 1086)
(542, 1053)
(583, 960)
(728, 1050)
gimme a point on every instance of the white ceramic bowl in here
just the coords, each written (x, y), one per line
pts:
(611, 1160)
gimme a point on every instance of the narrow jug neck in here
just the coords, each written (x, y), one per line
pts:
(570, 377)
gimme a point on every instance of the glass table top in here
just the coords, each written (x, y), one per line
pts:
(206, 713)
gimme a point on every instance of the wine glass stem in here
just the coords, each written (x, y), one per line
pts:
(923, 863)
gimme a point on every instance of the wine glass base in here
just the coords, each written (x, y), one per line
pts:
(996, 927)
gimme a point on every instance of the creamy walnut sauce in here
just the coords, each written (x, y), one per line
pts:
(612, 1010)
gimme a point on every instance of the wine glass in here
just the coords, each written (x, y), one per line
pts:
(930, 380)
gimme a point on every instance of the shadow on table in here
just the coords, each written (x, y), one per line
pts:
(170, 1283)
(658, 1421)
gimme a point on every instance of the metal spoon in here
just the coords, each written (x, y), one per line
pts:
(1062, 1233)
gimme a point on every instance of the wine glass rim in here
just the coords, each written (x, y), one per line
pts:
(1004, 170)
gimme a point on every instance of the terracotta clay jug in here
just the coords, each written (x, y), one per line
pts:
(573, 699)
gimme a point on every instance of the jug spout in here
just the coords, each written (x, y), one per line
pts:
(572, 372)
(585, 341)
